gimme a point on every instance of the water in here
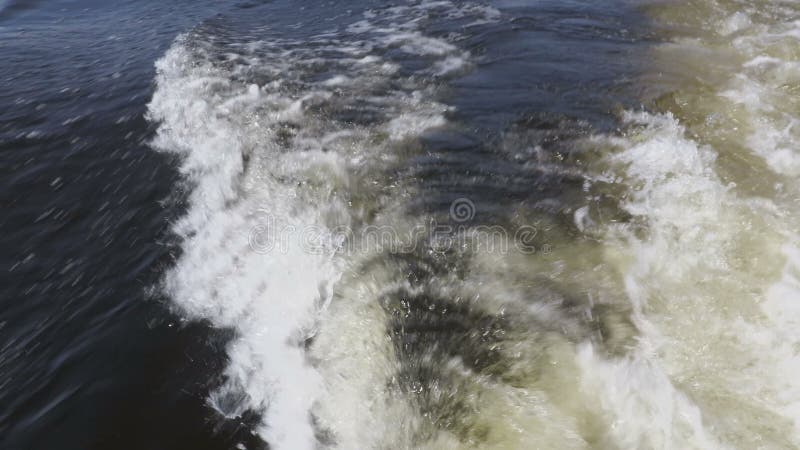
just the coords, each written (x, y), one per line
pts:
(418, 225)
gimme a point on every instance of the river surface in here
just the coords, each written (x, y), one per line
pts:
(427, 224)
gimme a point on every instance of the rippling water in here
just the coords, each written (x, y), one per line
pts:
(430, 224)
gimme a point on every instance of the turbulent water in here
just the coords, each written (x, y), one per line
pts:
(445, 224)
(658, 312)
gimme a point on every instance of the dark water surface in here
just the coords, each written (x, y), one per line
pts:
(91, 355)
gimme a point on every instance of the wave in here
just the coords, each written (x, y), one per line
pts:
(664, 318)
(281, 134)
(709, 261)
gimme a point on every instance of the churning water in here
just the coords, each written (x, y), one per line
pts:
(442, 224)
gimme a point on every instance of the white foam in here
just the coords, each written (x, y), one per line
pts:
(337, 80)
(417, 43)
(647, 410)
(674, 187)
(761, 87)
(782, 308)
(450, 65)
(260, 159)
(397, 28)
(412, 124)
(762, 60)
(672, 172)
(266, 297)
(734, 23)
(695, 296)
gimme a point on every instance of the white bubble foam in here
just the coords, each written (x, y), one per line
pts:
(259, 157)
(696, 294)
